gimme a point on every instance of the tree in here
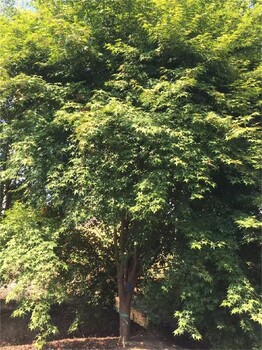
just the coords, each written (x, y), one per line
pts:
(125, 126)
(7, 7)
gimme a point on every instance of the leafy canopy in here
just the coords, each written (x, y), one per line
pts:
(137, 112)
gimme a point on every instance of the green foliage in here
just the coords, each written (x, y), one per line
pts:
(27, 259)
(142, 112)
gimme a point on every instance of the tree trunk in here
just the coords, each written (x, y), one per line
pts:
(127, 268)
(126, 285)
(124, 317)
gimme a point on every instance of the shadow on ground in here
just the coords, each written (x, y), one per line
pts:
(97, 323)
(98, 332)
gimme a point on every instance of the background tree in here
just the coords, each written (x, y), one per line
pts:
(129, 135)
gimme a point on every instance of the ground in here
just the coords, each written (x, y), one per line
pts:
(14, 335)
(139, 342)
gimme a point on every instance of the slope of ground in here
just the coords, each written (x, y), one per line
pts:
(14, 335)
